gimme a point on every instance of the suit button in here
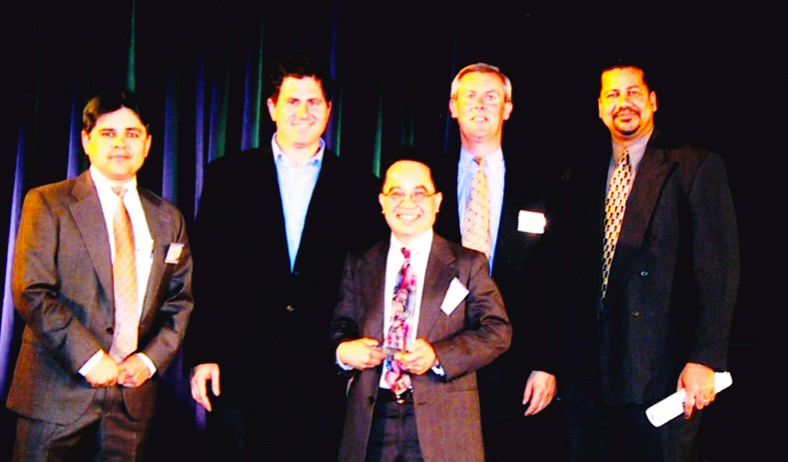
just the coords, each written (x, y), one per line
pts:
(290, 308)
(653, 237)
(644, 273)
(110, 330)
(371, 400)
(635, 314)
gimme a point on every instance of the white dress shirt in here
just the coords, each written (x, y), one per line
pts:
(143, 244)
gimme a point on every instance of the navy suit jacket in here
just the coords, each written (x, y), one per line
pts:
(673, 282)
(523, 271)
(253, 312)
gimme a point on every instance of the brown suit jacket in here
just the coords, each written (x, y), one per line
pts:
(62, 285)
(475, 333)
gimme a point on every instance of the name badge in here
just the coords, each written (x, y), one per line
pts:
(531, 222)
(174, 253)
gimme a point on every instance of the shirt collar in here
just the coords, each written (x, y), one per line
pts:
(494, 160)
(105, 184)
(279, 155)
(421, 246)
(636, 150)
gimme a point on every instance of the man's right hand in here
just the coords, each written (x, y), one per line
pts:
(104, 373)
(359, 353)
(200, 375)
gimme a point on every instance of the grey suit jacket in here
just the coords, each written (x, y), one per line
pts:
(62, 286)
(475, 333)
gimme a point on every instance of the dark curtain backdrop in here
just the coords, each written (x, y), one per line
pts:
(203, 68)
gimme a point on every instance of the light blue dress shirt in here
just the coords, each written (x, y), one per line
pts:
(296, 185)
(495, 169)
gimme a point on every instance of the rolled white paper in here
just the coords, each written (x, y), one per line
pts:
(673, 406)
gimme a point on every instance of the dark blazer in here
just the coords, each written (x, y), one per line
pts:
(673, 282)
(521, 269)
(62, 286)
(254, 314)
(477, 331)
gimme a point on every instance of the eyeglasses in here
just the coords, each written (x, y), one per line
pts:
(418, 195)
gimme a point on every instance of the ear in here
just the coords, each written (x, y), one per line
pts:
(85, 141)
(271, 109)
(507, 109)
(438, 200)
(453, 109)
(599, 106)
(147, 144)
(328, 111)
(653, 97)
(381, 198)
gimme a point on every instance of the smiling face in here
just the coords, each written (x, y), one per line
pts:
(409, 219)
(626, 106)
(480, 107)
(117, 145)
(300, 113)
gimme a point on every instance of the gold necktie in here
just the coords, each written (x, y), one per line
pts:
(476, 223)
(615, 206)
(124, 280)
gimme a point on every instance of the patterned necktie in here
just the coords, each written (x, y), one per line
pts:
(124, 280)
(615, 205)
(402, 306)
(476, 223)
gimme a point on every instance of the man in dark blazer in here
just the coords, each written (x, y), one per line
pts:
(273, 228)
(460, 326)
(519, 228)
(77, 384)
(655, 317)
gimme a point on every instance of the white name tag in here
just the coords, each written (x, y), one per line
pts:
(174, 253)
(454, 296)
(531, 222)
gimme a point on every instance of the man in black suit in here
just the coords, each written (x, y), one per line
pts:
(102, 278)
(512, 229)
(272, 232)
(655, 273)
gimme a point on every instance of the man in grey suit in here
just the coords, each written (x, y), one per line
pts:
(102, 277)
(417, 317)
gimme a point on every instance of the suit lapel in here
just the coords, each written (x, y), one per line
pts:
(651, 175)
(260, 191)
(373, 283)
(440, 272)
(158, 223)
(89, 218)
(319, 206)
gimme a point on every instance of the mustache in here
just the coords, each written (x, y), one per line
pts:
(630, 110)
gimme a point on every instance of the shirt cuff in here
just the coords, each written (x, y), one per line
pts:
(344, 366)
(148, 362)
(91, 363)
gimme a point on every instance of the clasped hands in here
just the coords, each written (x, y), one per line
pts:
(361, 354)
(131, 372)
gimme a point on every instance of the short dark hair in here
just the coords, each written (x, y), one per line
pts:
(407, 158)
(110, 101)
(627, 62)
(299, 66)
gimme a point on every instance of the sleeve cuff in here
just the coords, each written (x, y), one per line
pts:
(148, 362)
(91, 363)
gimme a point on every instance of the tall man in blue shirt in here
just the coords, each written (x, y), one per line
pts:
(272, 232)
(495, 208)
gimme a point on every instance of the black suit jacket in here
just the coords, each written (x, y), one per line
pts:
(522, 271)
(673, 282)
(254, 314)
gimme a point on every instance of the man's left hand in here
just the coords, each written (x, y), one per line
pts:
(419, 359)
(539, 390)
(698, 382)
(133, 372)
